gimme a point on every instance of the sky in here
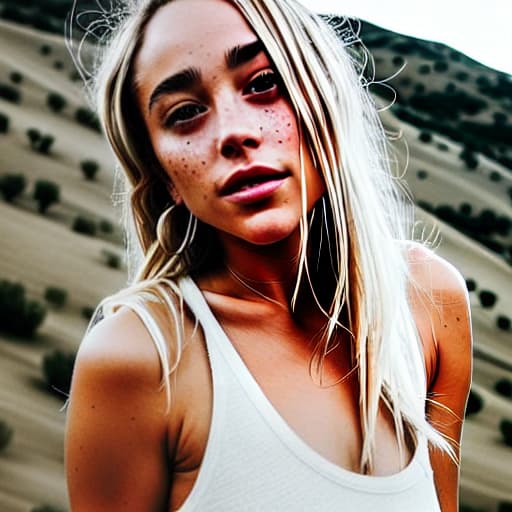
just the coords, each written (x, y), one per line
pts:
(482, 29)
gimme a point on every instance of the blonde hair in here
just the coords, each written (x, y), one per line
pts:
(367, 215)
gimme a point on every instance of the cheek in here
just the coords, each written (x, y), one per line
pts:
(282, 125)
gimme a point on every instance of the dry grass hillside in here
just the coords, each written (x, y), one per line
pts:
(47, 135)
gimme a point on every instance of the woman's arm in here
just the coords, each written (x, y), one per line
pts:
(116, 445)
(441, 290)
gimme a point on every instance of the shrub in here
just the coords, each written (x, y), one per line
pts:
(422, 174)
(89, 169)
(16, 77)
(425, 136)
(495, 176)
(9, 93)
(398, 60)
(56, 101)
(466, 209)
(34, 136)
(503, 323)
(475, 403)
(6, 433)
(419, 88)
(471, 285)
(18, 315)
(45, 143)
(45, 49)
(58, 64)
(500, 118)
(87, 312)
(440, 66)
(424, 69)
(57, 369)
(112, 259)
(487, 298)
(504, 387)
(506, 431)
(56, 296)
(505, 506)
(46, 508)
(12, 186)
(46, 193)
(106, 226)
(450, 88)
(84, 226)
(462, 76)
(442, 146)
(87, 118)
(4, 123)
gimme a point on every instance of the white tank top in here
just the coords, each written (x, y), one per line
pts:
(255, 462)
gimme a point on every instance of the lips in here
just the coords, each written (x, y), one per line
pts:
(251, 177)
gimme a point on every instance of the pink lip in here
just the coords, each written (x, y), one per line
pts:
(253, 183)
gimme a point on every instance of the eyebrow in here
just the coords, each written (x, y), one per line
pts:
(181, 81)
(240, 55)
(191, 77)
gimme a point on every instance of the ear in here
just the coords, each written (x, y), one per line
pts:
(174, 193)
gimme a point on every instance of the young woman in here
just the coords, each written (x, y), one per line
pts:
(282, 346)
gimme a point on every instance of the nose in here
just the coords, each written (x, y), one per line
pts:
(238, 131)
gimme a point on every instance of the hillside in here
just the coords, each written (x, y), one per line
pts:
(456, 147)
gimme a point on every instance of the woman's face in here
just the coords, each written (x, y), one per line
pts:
(220, 123)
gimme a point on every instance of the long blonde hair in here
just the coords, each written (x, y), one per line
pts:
(368, 216)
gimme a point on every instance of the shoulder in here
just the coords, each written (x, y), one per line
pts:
(434, 277)
(440, 304)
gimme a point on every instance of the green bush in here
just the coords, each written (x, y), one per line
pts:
(45, 49)
(56, 101)
(4, 123)
(87, 118)
(45, 144)
(46, 193)
(12, 186)
(112, 259)
(6, 433)
(57, 369)
(424, 69)
(18, 315)
(46, 508)
(106, 226)
(440, 66)
(9, 93)
(58, 64)
(34, 136)
(84, 226)
(506, 431)
(16, 77)
(87, 312)
(89, 169)
(425, 136)
(56, 296)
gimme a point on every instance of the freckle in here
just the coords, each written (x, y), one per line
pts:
(261, 128)
(445, 326)
(205, 197)
(203, 162)
(81, 447)
(183, 159)
(76, 469)
(458, 319)
(277, 131)
(280, 141)
(186, 166)
(93, 407)
(289, 124)
(132, 418)
(188, 143)
(266, 110)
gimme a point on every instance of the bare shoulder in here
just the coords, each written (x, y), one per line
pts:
(435, 277)
(116, 423)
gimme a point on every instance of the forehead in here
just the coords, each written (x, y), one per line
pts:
(184, 33)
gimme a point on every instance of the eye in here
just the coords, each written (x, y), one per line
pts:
(266, 82)
(184, 114)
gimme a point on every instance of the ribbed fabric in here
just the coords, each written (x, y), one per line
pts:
(255, 462)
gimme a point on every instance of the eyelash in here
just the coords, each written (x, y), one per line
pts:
(183, 116)
(261, 78)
